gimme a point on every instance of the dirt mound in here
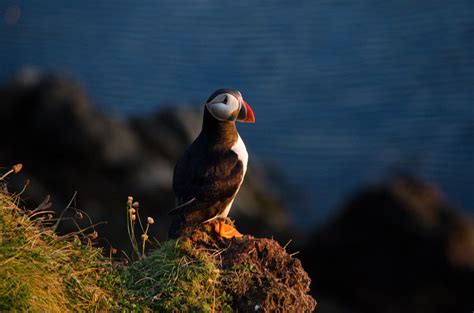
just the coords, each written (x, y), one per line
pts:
(258, 273)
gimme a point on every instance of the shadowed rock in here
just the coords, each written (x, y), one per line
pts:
(397, 247)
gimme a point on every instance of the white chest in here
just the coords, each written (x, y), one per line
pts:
(241, 151)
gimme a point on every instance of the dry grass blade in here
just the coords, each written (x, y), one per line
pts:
(43, 272)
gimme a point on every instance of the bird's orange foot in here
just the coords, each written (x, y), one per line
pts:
(226, 231)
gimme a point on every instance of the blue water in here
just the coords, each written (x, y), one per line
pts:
(343, 91)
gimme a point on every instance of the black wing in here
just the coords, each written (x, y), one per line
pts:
(208, 180)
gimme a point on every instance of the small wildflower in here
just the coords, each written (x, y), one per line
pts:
(216, 272)
(210, 281)
(133, 217)
(136, 204)
(16, 168)
(132, 211)
(145, 237)
(113, 251)
(130, 200)
(150, 220)
(94, 235)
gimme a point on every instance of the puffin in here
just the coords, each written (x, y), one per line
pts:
(208, 176)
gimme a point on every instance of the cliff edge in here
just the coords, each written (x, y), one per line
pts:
(201, 272)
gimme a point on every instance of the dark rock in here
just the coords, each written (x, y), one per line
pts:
(397, 247)
(67, 145)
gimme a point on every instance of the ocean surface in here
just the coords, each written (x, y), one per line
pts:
(345, 92)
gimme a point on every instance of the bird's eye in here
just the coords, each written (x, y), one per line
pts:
(225, 100)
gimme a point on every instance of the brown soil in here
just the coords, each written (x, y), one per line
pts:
(257, 272)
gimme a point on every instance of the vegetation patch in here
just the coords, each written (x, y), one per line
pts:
(43, 272)
(177, 278)
(202, 272)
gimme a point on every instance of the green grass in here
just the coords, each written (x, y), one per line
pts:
(178, 278)
(43, 272)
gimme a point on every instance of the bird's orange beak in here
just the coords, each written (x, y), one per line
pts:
(246, 114)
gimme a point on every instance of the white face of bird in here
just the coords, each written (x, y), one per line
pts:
(229, 105)
(224, 107)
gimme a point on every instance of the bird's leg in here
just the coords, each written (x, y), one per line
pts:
(226, 231)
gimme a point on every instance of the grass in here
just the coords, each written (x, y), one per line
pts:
(177, 278)
(43, 272)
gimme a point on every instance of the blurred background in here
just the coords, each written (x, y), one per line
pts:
(362, 152)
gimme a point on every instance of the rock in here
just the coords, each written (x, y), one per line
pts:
(246, 275)
(395, 247)
(67, 145)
